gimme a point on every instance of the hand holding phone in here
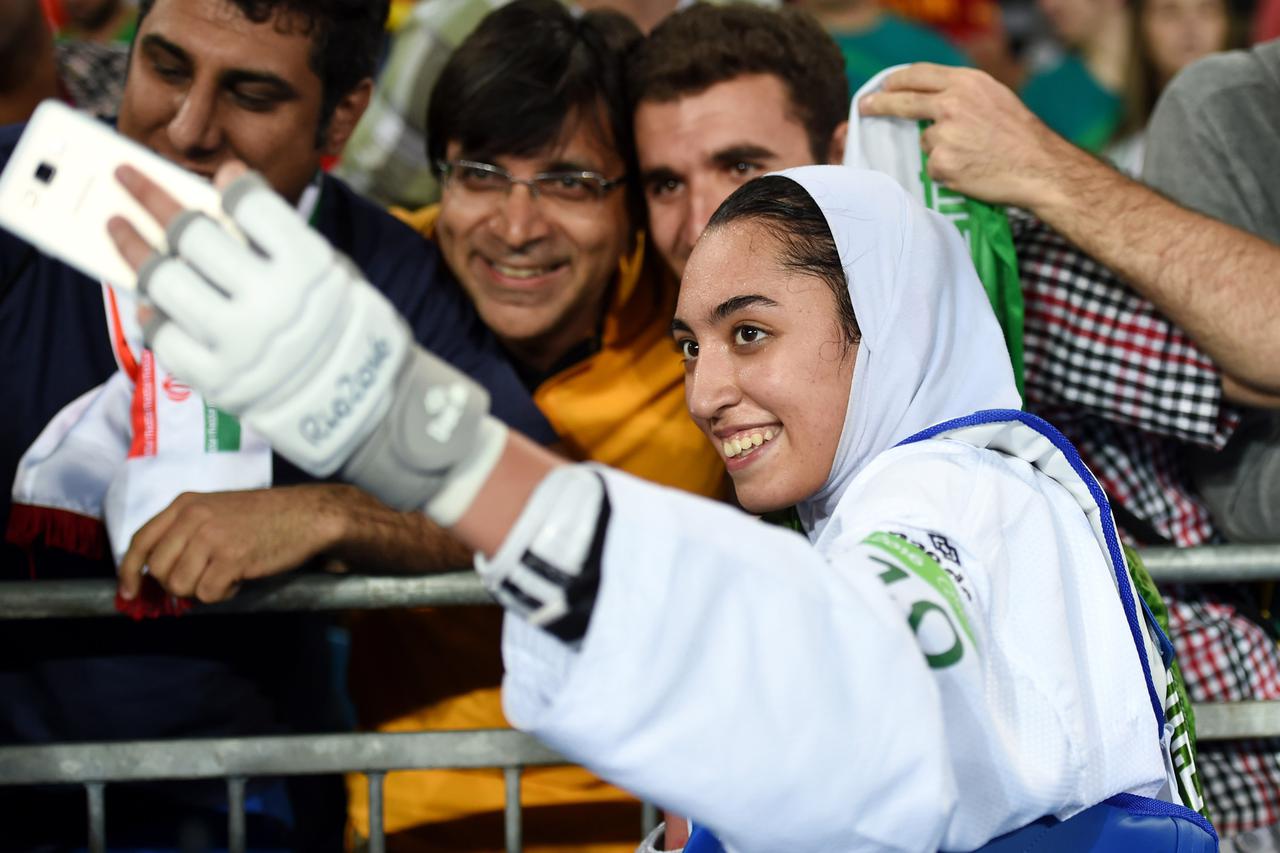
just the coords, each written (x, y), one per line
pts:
(59, 190)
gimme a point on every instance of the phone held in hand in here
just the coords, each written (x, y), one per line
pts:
(59, 189)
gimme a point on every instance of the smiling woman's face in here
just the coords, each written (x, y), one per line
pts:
(767, 367)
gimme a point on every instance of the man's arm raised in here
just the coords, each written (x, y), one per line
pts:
(1216, 282)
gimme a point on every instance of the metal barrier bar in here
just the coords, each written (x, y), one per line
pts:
(1236, 720)
(1213, 564)
(378, 753)
(292, 755)
(375, 754)
(235, 814)
(86, 598)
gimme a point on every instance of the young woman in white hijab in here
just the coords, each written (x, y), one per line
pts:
(948, 658)
(953, 655)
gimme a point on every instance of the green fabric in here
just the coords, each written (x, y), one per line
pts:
(126, 33)
(1184, 759)
(221, 431)
(892, 41)
(986, 232)
(787, 517)
(1074, 104)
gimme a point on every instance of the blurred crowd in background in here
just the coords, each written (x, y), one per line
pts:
(1091, 69)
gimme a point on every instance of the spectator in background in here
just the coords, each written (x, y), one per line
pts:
(1211, 148)
(1168, 35)
(958, 20)
(724, 94)
(529, 128)
(386, 158)
(33, 67)
(210, 80)
(873, 39)
(105, 21)
(1081, 97)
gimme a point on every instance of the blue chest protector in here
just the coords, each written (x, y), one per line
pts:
(1125, 822)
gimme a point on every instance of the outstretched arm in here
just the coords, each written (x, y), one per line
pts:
(730, 673)
(662, 639)
(1215, 281)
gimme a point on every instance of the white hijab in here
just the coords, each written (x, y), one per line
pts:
(931, 348)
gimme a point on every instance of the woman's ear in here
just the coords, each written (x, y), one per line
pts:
(835, 154)
(346, 115)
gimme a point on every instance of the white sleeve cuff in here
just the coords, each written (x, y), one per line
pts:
(537, 667)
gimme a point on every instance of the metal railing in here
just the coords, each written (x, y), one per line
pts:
(94, 598)
(238, 759)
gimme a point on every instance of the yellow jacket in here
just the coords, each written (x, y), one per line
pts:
(440, 669)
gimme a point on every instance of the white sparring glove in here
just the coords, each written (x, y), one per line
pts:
(286, 332)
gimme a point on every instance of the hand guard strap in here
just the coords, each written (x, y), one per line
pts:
(437, 444)
(548, 569)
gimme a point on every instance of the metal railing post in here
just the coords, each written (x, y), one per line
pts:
(648, 819)
(511, 811)
(96, 795)
(377, 832)
(236, 842)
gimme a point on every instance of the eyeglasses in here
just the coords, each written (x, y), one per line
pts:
(561, 186)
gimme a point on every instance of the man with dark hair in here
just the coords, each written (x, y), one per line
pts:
(278, 85)
(560, 109)
(530, 131)
(387, 156)
(325, 93)
(723, 94)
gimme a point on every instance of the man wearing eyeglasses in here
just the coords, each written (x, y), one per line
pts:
(530, 135)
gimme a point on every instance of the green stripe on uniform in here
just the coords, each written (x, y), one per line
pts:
(925, 567)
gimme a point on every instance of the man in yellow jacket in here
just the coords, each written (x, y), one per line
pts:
(531, 136)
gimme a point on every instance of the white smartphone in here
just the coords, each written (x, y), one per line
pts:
(59, 189)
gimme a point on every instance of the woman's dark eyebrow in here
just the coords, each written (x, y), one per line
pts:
(737, 303)
(727, 309)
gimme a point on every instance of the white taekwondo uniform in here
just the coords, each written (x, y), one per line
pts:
(944, 659)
